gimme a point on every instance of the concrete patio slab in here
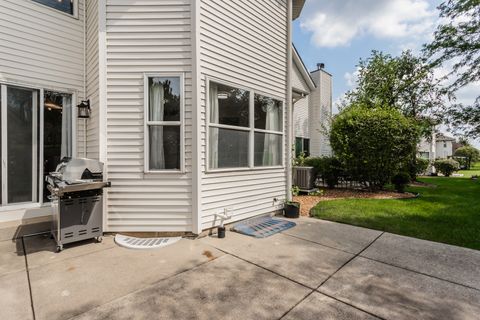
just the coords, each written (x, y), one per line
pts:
(302, 261)
(319, 306)
(395, 293)
(67, 288)
(12, 258)
(15, 297)
(227, 288)
(42, 250)
(336, 235)
(456, 264)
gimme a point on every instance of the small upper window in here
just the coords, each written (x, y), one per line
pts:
(66, 6)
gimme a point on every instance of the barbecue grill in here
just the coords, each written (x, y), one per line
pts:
(76, 191)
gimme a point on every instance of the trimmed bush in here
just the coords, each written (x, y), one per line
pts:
(400, 181)
(373, 143)
(447, 166)
(421, 166)
(328, 168)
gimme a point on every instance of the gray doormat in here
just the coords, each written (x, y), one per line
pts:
(262, 227)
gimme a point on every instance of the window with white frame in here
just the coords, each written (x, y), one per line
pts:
(163, 125)
(65, 6)
(24, 154)
(245, 128)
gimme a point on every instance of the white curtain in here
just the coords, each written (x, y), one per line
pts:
(214, 118)
(270, 148)
(66, 149)
(156, 110)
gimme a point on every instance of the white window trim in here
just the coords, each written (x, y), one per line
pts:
(75, 9)
(251, 129)
(147, 123)
(39, 168)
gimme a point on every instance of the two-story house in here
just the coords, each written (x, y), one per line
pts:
(191, 106)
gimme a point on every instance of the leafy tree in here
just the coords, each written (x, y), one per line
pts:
(471, 154)
(457, 41)
(372, 143)
(406, 83)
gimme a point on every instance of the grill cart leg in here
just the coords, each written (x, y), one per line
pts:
(99, 239)
(59, 248)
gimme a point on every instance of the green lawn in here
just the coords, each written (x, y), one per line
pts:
(449, 212)
(474, 171)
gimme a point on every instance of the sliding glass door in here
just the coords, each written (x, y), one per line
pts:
(19, 127)
(27, 115)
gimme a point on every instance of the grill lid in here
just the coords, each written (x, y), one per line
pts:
(78, 170)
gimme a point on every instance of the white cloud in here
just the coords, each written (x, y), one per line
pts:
(336, 23)
(351, 78)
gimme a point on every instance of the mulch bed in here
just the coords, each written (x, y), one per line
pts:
(308, 202)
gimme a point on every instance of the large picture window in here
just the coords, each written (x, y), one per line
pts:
(164, 125)
(24, 155)
(245, 129)
(66, 6)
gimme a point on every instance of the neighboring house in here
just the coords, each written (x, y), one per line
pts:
(191, 106)
(444, 146)
(312, 108)
(426, 149)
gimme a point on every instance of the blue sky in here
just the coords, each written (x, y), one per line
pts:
(340, 32)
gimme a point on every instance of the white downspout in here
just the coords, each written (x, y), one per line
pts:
(85, 74)
(289, 103)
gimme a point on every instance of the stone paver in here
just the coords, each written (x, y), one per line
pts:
(15, 297)
(305, 262)
(336, 235)
(12, 258)
(227, 288)
(395, 293)
(319, 306)
(452, 263)
(72, 286)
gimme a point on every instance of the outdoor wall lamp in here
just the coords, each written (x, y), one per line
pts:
(84, 109)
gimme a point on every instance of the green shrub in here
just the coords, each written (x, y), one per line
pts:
(470, 154)
(373, 143)
(421, 166)
(327, 168)
(446, 167)
(400, 181)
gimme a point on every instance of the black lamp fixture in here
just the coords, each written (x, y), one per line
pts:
(84, 109)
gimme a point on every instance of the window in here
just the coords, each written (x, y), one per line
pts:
(164, 125)
(424, 155)
(22, 124)
(66, 6)
(245, 129)
(268, 131)
(302, 145)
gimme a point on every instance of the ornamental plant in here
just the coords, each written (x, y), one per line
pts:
(446, 166)
(373, 143)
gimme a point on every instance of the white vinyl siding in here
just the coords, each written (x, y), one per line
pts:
(300, 118)
(145, 37)
(298, 81)
(43, 48)
(92, 79)
(245, 43)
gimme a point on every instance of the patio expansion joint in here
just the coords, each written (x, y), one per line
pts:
(318, 243)
(349, 260)
(28, 279)
(148, 285)
(421, 273)
(312, 290)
